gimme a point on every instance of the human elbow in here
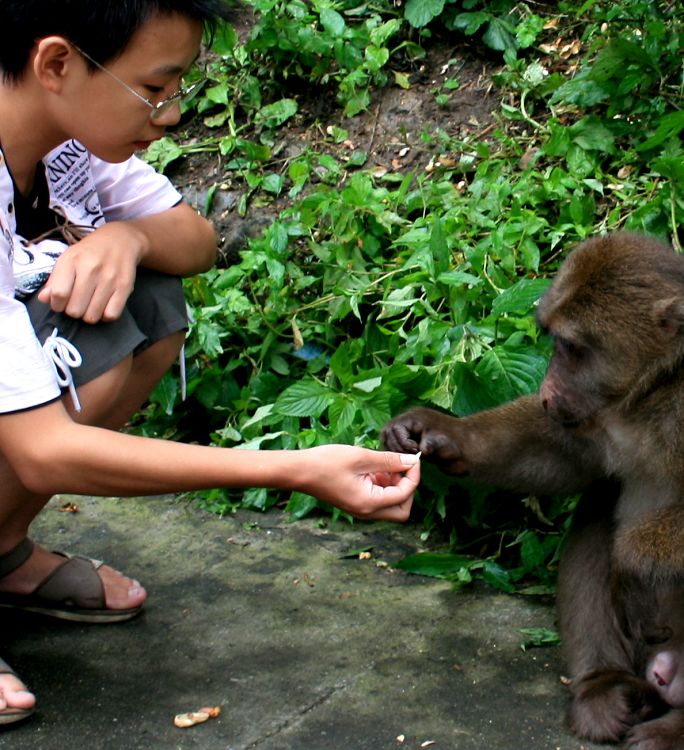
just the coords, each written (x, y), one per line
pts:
(37, 473)
(208, 248)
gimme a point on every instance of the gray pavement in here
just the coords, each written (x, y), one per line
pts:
(301, 648)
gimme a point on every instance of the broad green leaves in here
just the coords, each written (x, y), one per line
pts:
(378, 290)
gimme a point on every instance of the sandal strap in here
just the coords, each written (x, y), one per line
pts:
(74, 583)
(5, 668)
(16, 557)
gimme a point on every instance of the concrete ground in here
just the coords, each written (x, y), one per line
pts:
(302, 648)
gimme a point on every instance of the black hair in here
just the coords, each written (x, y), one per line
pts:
(101, 28)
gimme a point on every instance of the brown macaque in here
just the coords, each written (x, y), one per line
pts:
(608, 422)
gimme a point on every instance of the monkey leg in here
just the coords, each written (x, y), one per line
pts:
(607, 695)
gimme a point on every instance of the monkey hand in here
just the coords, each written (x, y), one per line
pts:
(664, 733)
(608, 702)
(437, 436)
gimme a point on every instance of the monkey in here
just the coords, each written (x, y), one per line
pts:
(631, 683)
(608, 424)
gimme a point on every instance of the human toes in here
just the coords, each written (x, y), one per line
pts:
(13, 693)
(120, 591)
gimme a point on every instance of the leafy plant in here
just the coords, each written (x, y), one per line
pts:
(376, 291)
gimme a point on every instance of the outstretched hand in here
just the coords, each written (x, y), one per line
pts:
(373, 485)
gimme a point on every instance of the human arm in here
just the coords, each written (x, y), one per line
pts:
(51, 453)
(93, 278)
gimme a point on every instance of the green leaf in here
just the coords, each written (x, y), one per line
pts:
(532, 552)
(459, 278)
(255, 443)
(273, 183)
(376, 57)
(162, 152)
(497, 577)
(506, 373)
(470, 23)
(224, 40)
(300, 505)
(434, 564)
(670, 126)
(166, 392)
(592, 135)
(419, 13)
(333, 22)
(439, 248)
(521, 297)
(539, 638)
(307, 398)
(369, 385)
(499, 35)
(274, 115)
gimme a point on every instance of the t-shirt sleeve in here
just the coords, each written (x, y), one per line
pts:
(132, 189)
(26, 377)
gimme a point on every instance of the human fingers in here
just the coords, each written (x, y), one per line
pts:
(392, 496)
(57, 289)
(400, 512)
(388, 478)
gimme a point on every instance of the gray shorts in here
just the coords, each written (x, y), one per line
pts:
(155, 310)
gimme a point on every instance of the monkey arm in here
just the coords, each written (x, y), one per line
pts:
(652, 546)
(514, 446)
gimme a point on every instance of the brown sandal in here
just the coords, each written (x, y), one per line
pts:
(73, 591)
(10, 715)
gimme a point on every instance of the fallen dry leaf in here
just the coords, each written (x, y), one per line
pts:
(68, 508)
(183, 721)
(212, 711)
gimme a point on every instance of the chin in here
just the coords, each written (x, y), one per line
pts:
(113, 155)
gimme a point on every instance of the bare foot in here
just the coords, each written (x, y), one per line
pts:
(120, 592)
(13, 693)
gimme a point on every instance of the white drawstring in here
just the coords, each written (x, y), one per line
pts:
(63, 355)
(183, 375)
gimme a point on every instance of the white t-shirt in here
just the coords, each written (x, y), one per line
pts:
(89, 192)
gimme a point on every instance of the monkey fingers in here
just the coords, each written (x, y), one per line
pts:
(665, 733)
(608, 702)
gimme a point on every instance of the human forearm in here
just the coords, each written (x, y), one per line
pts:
(178, 241)
(50, 453)
(93, 279)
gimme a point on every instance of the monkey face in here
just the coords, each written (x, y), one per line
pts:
(614, 313)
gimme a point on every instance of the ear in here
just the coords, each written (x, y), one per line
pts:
(53, 60)
(669, 315)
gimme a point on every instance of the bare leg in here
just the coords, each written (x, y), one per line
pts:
(108, 401)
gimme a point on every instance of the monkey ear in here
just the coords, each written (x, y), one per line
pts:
(669, 315)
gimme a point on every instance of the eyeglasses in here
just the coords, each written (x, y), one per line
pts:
(183, 95)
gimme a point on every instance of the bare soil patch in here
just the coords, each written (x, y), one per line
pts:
(398, 132)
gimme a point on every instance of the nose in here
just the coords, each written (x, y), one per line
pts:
(169, 116)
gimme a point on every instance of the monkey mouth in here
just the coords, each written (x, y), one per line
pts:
(567, 422)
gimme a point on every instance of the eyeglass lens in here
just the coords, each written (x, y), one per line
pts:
(182, 97)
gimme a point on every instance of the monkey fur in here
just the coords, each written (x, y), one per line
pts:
(608, 422)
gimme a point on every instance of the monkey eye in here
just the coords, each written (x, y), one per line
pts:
(566, 347)
(658, 635)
